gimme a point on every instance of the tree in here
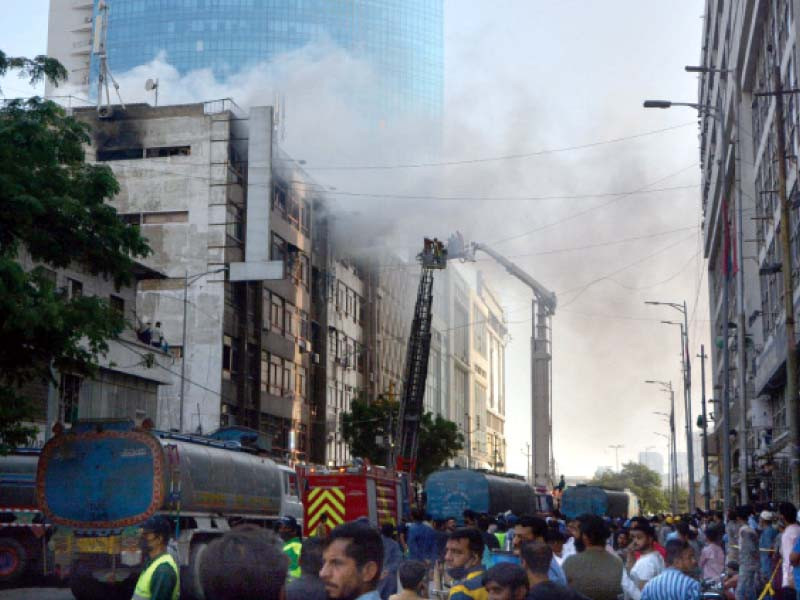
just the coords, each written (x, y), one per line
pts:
(54, 212)
(639, 479)
(370, 425)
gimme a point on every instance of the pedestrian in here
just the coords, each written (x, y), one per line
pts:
(506, 581)
(157, 335)
(790, 535)
(555, 539)
(289, 530)
(537, 558)
(392, 557)
(595, 572)
(732, 538)
(712, 556)
(748, 556)
(244, 564)
(766, 543)
(308, 586)
(649, 563)
(569, 545)
(489, 539)
(675, 582)
(412, 575)
(352, 562)
(420, 538)
(462, 559)
(160, 577)
(532, 529)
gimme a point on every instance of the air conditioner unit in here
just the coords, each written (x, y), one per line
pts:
(315, 358)
(304, 345)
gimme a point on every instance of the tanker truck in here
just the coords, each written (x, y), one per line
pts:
(102, 479)
(24, 534)
(449, 492)
(588, 499)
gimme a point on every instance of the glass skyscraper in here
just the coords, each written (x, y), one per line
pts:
(402, 40)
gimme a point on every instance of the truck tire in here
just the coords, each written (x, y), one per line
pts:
(194, 587)
(13, 560)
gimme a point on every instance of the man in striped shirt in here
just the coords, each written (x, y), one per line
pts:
(675, 583)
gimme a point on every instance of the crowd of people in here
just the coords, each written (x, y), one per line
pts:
(753, 554)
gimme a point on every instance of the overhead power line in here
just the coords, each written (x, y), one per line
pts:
(472, 161)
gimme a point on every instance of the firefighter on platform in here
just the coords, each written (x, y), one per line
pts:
(289, 531)
(159, 579)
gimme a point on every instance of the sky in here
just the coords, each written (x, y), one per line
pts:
(521, 77)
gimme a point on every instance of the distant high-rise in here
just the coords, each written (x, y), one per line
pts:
(402, 40)
(653, 461)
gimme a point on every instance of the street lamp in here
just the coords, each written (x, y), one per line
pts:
(187, 281)
(616, 448)
(716, 113)
(666, 386)
(687, 388)
(672, 495)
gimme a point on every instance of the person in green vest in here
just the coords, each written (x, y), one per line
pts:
(159, 579)
(289, 531)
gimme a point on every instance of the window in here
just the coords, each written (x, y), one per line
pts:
(479, 333)
(230, 357)
(276, 315)
(275, 374)
(234, 224)
(117, 304)
(133, 153)
(264, 371)
(68, 397)
(301, 381)
(303, 318)
(278, 249)
(253, 363)
(75, 288)
(160, 218)
(164, 151)
(288, 377)
(279, 201)
(288, 320)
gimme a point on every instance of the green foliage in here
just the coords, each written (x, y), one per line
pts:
(639, 479)
(54, 212)
(35, 69)
(439, 439)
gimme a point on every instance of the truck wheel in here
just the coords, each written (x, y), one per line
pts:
(193, 584)
(13, 560)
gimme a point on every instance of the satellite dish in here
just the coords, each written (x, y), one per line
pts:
(150, 84)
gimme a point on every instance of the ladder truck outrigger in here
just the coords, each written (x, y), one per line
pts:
(543, 308)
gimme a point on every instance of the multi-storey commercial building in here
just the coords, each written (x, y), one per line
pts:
(241, 347)
(744, 45)
(401, 40)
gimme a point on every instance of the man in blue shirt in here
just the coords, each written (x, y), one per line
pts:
(421, 538)
(766, 543)
(532, 529)
(674, 583)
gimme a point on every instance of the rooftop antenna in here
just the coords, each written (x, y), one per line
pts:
(152, 85)
(104, 73)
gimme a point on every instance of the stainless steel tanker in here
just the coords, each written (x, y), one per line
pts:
(103, 479)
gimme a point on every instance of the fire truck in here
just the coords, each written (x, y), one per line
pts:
(336, 495)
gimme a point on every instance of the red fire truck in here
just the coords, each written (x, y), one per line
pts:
(335, 495)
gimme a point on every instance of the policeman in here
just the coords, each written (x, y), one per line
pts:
(159, 579)
(289, 531)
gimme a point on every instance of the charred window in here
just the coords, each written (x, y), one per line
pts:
(134, 153)
(165, 151)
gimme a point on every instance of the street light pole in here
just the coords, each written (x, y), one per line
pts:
(616, 448)
(687, 394)
(706, 479)
(666, 386)
(709, 110)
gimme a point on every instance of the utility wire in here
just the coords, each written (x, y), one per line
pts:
(580, 213)
(472, 161)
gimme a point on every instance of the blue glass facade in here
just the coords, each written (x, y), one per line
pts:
(401, 39)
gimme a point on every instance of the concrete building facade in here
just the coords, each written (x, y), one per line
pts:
(129, 375)
(743, 45)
